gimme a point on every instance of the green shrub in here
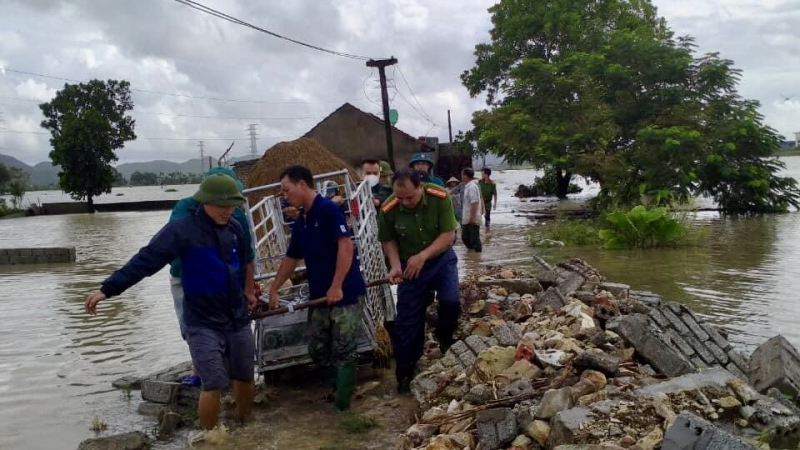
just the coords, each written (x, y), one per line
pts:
(642, 228)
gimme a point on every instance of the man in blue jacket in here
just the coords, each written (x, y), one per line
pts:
(321, 238)
(217, 274)
(185, 207)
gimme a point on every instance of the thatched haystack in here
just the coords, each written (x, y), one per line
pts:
(305, 151)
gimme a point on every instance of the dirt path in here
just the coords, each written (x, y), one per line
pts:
(292, 413)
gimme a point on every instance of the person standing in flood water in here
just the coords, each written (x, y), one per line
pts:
(217, 274)
(488, 193)
(183, 208)
(320, 237)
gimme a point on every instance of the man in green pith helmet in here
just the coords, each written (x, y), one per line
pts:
(185, 207)
(217, 279)
(423, 162)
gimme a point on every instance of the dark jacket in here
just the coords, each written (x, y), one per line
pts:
(213, 259)
(186, 207)
(381, 192)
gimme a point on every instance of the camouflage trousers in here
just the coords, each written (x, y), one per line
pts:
(333, 333)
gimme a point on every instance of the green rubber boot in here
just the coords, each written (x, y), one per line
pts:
(345, 385)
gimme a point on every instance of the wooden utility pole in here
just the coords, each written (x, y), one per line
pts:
(449, 127)
(381, 65)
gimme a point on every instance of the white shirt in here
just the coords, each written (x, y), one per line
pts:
(472, 195)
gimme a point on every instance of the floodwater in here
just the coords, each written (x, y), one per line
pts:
(57, 363)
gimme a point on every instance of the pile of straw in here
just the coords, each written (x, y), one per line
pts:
(303, 151)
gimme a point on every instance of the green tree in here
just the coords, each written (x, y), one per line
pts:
(5, 177)
(119, 179)
(144, 179)
(602, 89)
(88, 123)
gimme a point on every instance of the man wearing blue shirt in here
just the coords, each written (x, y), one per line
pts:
(320, 237)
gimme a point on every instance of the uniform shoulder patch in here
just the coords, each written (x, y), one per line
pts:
(436, 192)
(389, 205)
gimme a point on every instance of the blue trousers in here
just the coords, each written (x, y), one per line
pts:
(413, 297)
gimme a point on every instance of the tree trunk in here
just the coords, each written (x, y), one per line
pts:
(562, 183)
(90, 203)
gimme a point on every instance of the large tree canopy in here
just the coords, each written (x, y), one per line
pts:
(88, 123)
(602, 89)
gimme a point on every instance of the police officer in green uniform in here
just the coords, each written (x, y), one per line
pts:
(417, 227)
(423, 162)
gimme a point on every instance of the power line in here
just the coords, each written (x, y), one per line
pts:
(198, 116)
(422, 112)
(171, 94)
(221, 15)
(156, 138)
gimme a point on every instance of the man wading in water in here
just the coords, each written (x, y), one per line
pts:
(183, 208)
(217, 274)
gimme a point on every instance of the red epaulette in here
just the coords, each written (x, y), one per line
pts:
(389, 205)
(441, 193)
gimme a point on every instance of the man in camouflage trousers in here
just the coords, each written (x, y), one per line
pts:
(321, 238)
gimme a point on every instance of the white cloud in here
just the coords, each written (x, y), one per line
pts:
(164, 46)
(35, 90)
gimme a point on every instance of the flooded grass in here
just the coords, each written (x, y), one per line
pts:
(353, 423)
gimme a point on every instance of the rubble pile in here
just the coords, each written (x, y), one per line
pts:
(562, 359)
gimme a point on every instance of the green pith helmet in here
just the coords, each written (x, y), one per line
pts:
(386, 169)
(225, 171)
(421, 156)
(219, 190)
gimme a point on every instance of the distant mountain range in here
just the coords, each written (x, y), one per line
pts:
(45, 173)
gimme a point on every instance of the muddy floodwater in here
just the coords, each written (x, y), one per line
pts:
(57, 363)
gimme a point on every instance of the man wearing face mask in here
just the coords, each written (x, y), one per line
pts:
(371, 172)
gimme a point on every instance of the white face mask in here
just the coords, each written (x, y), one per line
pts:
(371, 180)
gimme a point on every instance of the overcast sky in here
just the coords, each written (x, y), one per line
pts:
(161, 45)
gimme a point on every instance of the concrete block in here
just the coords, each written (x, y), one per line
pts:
(717, 338)
(475, 343)
(135, 440)
(159, 391)
(690, 432)
(496, 427)
(27, 259)
(553, 402)
(701, 349)
(42, 259)
(552, 298)
(506, 334)
(676, 321)
(691, 322)
(718, 353)
(597, 360)
(650, 344)
(659, 318)
(618, 290)
(775, 364)
(566, 427)
(679, 342)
